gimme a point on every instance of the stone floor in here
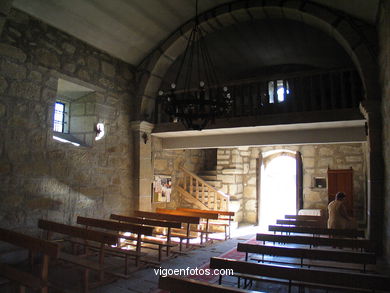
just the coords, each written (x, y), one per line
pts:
(146, 280)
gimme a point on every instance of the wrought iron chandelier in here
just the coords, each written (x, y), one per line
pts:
(195, 97)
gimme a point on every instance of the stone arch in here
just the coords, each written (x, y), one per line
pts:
(356, 37)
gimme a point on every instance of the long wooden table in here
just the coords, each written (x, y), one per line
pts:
(362, 258)
(204, 215)
(303, 276)
(300, 223)
(228, 214)
(354, 243)
(305, 217)
(189, 220)
(122, 227)
(153, 223)
(317, 231)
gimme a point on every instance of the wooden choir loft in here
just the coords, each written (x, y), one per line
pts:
(120, 171)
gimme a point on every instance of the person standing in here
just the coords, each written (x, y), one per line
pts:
(338, 216)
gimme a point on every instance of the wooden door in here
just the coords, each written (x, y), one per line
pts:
(341, 180)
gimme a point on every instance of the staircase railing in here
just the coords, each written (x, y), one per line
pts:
(199, 189)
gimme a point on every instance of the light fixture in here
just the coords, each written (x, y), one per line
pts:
(99, 130)
(145, 137)
(196, 97)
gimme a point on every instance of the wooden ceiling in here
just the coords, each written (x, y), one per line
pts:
(131, 29)
(268, 46)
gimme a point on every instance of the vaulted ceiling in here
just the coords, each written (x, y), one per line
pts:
(131, 29)
(269, 46)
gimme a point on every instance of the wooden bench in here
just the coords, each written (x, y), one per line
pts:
(362, 244)
(354, 282)
(125, 227)
(177, 285)
(34, 245)
(353, 233)
(305, 218)
(86, 235)
(204, 215)
(311, 254)
(174, 218)
(300, 223)
(154, 223)
(222, 216)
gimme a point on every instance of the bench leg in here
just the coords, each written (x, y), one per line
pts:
(238, 282)
(86, 281)
(220, 279)
(159, 253)
(126, 264)
(207, 230)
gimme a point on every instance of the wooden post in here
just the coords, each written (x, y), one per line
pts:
(332, 92)
(191, 185)
(168, 240)
(101, 261)
(138, 249)
(45, 272)
(207, 230)
(188, 235)
(209, 198)
(203, 193)
(197, 189)
(344, 102)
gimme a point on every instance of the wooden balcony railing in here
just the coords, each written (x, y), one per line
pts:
(305, 92)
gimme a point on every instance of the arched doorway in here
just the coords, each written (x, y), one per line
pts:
(278, 192)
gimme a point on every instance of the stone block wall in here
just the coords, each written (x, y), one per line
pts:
(384, 63)
(237, 168)
(44, 178)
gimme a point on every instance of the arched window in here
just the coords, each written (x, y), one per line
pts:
(278, 88)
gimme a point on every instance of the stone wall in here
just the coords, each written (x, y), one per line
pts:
(41, 177)
(384, 62)
(237, 169)
(168, 162)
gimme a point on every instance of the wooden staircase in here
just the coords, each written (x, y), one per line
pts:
(200, 192)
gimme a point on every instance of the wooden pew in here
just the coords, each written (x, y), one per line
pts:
(304, 277)
(34, 245)
(311, 254)
(362, 244)
(177, 285)
(317, 231)
(154, 223)
(86, 235)
(222, 216)
(300, 223)
(175, 218)
(305, 217)
(123, 227)
(205, 215)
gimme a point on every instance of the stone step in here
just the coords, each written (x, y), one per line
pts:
(208, 177)
(207, 172)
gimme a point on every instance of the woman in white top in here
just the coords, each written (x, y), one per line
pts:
(338, 216)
